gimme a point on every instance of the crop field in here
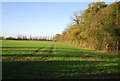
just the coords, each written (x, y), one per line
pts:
(52, 60)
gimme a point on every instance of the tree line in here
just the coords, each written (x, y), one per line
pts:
(97, 27)
(24, 37)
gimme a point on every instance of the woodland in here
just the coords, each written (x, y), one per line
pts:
(97, 27)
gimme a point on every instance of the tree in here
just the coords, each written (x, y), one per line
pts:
(98, 27)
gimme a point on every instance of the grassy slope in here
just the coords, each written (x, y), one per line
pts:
(42, 59)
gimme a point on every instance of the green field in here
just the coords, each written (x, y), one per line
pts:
(51, 60)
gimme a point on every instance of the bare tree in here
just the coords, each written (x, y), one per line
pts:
(77, 18)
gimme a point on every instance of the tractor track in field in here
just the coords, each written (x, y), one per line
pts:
(18, 58)
(37, 50)
(45, 58)
(42, 58)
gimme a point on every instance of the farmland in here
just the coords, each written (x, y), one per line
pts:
(52, 60)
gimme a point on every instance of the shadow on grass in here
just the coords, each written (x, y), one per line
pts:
(62, 54)
(57, 70)
(49, 47)
(58, 49)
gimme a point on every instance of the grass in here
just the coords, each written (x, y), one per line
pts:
(51, 60)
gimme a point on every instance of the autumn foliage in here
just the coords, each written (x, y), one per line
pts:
(98, 27)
